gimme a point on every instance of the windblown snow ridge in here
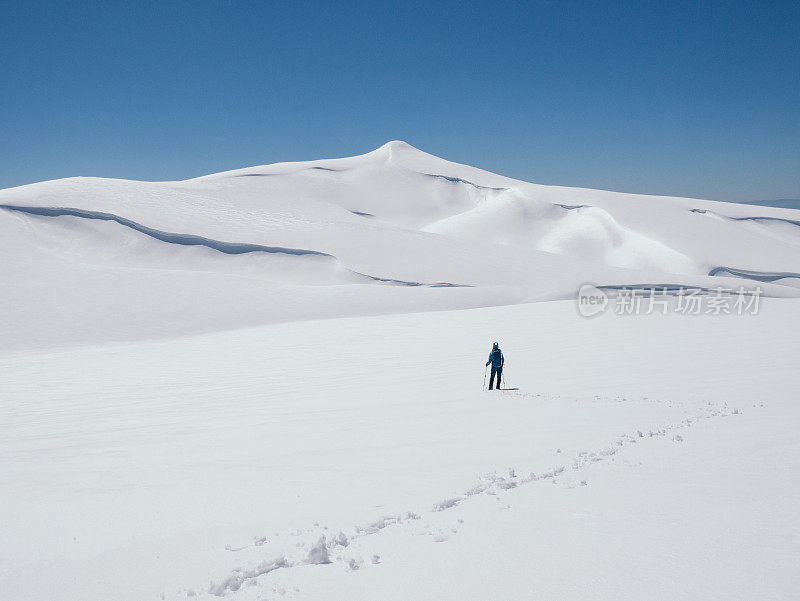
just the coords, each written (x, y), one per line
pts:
(755, 218)
(571, 207)
(278, 173)
(458, 180)
(676, 289)
(407, 283)
(231, 248)
(761, 276)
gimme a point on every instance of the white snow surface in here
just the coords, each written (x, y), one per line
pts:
(267, 384)
(96, 260)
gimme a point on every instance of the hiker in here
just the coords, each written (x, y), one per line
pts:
(496, 359)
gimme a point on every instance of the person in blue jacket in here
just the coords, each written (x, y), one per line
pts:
(496, 359)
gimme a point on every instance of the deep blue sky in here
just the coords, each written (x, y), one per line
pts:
(695, 99)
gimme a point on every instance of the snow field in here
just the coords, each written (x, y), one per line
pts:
(200, 461)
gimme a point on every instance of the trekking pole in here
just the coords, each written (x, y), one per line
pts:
(485, 371)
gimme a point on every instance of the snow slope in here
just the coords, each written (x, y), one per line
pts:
(340, 237)
(266, 384)
(191, 466)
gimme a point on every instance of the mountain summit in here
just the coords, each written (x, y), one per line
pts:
(393, 229)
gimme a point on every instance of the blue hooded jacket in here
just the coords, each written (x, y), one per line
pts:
(496, 357)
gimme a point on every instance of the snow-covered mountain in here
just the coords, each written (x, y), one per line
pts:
(267, 384)
(393, 230)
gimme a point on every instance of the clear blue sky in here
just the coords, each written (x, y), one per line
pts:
(695, 99)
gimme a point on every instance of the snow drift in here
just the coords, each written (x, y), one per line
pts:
(393, 230)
